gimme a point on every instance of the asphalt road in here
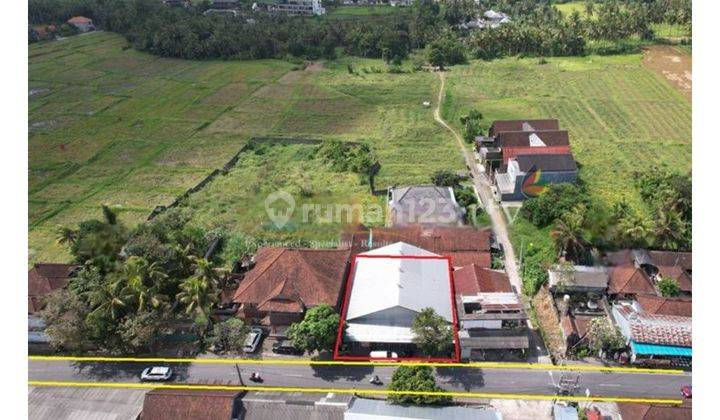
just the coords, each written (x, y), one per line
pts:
(460, 379)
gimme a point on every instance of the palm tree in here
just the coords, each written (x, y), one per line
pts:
(66, 236)
(669, 231)
(569, 232)
(111, 300)
(144, 282)
(634, 230)
(197, 294)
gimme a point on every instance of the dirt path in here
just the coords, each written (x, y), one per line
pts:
(674, 65)
(482, 189)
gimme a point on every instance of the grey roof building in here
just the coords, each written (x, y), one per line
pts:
(424, 204)
(578, 278)
(365, 409)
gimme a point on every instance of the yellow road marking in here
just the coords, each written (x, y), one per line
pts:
(353, 391)
(305, 362)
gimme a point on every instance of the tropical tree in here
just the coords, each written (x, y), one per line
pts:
(66, 236)
(229, 335)
(64, 315)
(111, 300)
(317, 331)
(668, 286)
(433, 335)
(669, 229)
(198, 294)
(603, 336)
(144, 283)
(568, 233)
(415, 378)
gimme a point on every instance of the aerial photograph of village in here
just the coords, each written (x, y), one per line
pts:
(359, 210)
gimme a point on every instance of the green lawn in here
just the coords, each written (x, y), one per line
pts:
(569, 8)
(110, 125)
(668, 30)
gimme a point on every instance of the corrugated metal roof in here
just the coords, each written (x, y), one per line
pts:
(660, 350)
(415, 284)
(53, 403)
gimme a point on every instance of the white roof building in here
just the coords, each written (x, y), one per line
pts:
(388, 292)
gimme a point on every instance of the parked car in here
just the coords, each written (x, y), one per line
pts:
(253, 340)
(286, 347)
(156, 374)
(686, 391)
(383, 354)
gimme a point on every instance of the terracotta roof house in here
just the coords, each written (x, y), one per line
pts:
(82, 23)
(285, 282)
(658, 305)
(628, 281)
(655, 411)
(550, 168)
(171, 404)
(438, 239)
(574, 327)
(491, 315)
(499, 126)
(515, 143)
(654, 336)
(43, 279)
(424, 204)
(629, 264)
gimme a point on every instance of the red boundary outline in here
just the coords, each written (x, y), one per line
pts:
(343, 314)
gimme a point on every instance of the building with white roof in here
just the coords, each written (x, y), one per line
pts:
(390, 286)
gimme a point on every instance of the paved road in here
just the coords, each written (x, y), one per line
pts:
(460, 379)
(482, 188)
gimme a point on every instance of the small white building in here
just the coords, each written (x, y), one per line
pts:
(390, 286)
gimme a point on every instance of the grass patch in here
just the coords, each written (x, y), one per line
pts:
(115, 126)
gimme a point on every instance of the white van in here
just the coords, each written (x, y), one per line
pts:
(382, 354)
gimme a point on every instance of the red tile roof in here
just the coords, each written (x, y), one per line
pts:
(474, 279)
(79, 20)
(659, 329)
(440, 239)
(171, 404)
(499, 126)
(44, 278)
(655, 411)
(576, 324)
(670, 258)
(288, 280)
(465, 258)
(628, 279)
(665, 306)
(522, 138)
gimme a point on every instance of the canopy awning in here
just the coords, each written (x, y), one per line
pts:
(369, 333)
(660, 350)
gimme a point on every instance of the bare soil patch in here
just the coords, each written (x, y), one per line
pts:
(549, 323)
(674, 65)
(315, 66)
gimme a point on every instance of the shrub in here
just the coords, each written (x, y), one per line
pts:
(557, 200)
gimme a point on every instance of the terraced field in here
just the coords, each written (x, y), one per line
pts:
(109, 125)
(622, 117)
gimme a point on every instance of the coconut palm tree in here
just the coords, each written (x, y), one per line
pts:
(66, 236)
(144, 282)
(111, 300)
(197, 294)
(569, 233)
(669, 230)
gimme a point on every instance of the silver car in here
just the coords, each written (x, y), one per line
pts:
(156, 373)
(253, 340)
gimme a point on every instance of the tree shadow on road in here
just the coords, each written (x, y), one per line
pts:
(123, 370)
(348, 373)
(465, 378)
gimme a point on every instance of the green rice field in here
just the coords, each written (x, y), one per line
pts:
(110, 125)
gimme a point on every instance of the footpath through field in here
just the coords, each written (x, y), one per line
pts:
(482, 189)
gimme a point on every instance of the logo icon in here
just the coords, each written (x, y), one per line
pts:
(279, 207)
(532, 184)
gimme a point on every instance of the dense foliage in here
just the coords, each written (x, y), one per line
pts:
(229, 335)
(536, 28)
(555, 201)
(134, 286)
(317, 331)
(433, 335)
(445, 178)
(358, 158)
(415, 378)
(668, 287)
(472, 125)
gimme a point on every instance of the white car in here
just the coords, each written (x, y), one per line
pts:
(253, 340)
(156, 373)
